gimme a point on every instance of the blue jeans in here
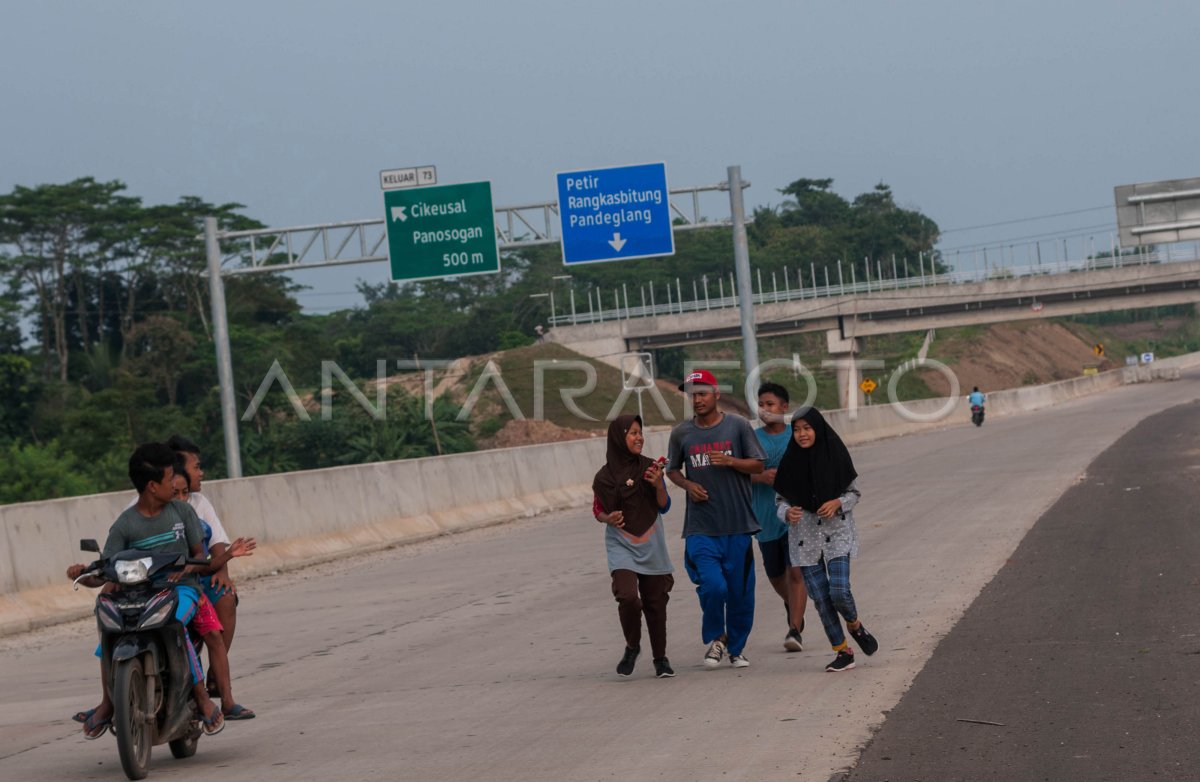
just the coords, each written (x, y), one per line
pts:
(722, 568)
(828, 585)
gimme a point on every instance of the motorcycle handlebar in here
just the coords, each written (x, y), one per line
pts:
(97, 568)
(94, 570)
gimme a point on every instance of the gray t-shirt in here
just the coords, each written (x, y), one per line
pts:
(728, 510)
(175, 530)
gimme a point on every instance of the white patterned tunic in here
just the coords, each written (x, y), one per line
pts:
(811, 537)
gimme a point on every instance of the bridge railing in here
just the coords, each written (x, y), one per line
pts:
(610, 304)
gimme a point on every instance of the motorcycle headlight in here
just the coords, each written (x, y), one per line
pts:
(133, 571)
(108, 618)
(157, 616)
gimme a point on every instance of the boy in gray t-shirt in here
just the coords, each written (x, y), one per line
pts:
(156, 523)
(175, 530)
(719, 453)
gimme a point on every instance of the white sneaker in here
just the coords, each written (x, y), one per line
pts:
(739, 661)
(715, 653)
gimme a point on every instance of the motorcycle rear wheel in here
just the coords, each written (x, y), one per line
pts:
(134, 737)
(184, 747)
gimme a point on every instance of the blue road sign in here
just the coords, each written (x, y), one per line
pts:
(613, 214)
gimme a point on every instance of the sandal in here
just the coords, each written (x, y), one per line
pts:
(215, 721)
(237, 712)
(94, 730)
(83, 716)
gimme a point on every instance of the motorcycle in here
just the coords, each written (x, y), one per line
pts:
(150, 679)
(977, 415)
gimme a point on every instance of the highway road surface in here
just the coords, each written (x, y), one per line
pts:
(1081, 659)
(489, 655)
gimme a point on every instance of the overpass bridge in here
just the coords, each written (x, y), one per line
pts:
(885, 306)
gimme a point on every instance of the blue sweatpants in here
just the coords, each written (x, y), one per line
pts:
(722, 568)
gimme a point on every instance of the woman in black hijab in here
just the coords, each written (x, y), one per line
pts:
(816, 492)
(630, 497)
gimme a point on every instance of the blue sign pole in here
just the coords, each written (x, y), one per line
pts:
(614, 214)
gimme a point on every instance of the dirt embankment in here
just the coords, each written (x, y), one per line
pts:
(1013, 355)
(529, 432)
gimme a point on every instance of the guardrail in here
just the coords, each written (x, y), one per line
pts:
(621, 309)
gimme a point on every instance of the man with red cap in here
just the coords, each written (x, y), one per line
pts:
(720, 453)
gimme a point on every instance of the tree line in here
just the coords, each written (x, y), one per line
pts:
(106, 339)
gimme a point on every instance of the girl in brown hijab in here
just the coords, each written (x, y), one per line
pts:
(630, 498)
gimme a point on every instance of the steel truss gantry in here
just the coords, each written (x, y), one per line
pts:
(266, 250)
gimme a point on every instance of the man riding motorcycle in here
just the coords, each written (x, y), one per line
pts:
(976, 400)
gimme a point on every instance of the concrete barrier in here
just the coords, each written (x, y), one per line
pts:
(304, 517)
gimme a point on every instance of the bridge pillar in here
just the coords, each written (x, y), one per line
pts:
(842, 351)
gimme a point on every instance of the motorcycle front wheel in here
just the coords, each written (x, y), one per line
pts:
(130, 716)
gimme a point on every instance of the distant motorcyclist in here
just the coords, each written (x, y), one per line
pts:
(976, 400)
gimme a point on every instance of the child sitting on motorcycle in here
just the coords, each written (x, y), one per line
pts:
(206, 622)
(156, 522)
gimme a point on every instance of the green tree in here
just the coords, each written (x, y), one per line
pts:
(53, 229)
(20, 389)
(270, 448)
(156, 348)
(10, 323)
(161, 243)
(407, 434)
(40, 472)
(813, 203)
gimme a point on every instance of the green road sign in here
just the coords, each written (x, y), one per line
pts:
(442, 231)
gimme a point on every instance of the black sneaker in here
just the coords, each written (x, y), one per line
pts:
(663, 669)
(866, 641)
(793, 642)
(843, 662)
(625, 667)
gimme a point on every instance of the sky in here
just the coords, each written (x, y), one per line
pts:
(977, 114)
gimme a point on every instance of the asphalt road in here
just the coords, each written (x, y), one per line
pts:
(490, 655)
(1085, 648)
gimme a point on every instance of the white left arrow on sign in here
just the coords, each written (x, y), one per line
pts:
(617, 242)
(398, 213)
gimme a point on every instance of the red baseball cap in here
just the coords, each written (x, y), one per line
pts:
(701, 377)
